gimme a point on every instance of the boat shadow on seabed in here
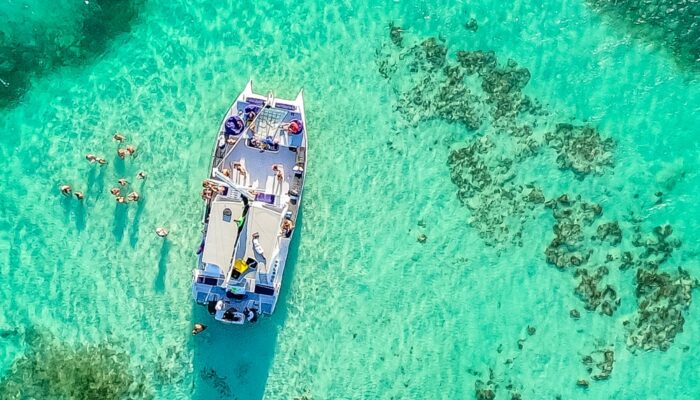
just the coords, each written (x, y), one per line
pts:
(233, 361)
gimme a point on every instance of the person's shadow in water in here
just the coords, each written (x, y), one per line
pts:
(134, 233)
(79, 209)
(159, 283)
(121, 212)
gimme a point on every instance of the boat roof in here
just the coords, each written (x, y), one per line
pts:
(222, 232)
(266, 224)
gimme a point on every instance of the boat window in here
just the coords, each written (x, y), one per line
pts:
(227, 214)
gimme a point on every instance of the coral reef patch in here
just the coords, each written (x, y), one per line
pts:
(36, 40)
(599, 363)
(662, 298)
(509, 132)
(51, 369)
(671, 24)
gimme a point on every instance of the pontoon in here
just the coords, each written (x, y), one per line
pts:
(252, 199)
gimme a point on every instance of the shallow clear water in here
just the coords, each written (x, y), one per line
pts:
(368, 310)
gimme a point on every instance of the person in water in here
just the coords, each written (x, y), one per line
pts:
(198, 328)
(121, 153)
(79, 195)
(133, 196)
(101, 161)
(118, 137)
(131, 149)
(115, 191)
(141, 175)
(65, 189)
(162, 232)
(121, 199)
(91, 157)
(123, 182)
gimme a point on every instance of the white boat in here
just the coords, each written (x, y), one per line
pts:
(252, 200)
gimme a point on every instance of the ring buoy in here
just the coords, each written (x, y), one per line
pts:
(295, 127)
(234, 125)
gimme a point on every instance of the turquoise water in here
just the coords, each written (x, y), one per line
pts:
(369, 310)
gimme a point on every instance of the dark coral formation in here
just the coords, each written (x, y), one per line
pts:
(595, 295)
(581, 149)
(484, 391)
(657, 248)
(662, 298)
(471, 25)
(486, 189)
(672, 24)
(600, 363)
(34, 49)
(54, 370)
(609, 232)
(571, 217)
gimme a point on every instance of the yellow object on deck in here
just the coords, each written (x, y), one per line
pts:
(240, 266)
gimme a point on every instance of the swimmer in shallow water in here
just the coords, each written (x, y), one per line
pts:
(65, 189)
(118, 137)
(101, 161)
(91, 157)
(115, 191)
(121, 199)
(123, 182)
(133, 196)
(198, 328)
(162, 232)
(79, 195)
(121, 153)
(131, 149)
(141, 175)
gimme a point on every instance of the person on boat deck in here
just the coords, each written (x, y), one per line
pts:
(287, 227)
(279, 172)
(249, 120)
(240, 168)
(293, 127)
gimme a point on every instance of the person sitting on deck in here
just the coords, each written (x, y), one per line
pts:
(287, 227)
(250, 119)
(238, 166)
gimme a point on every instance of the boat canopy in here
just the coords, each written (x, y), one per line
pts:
(222, 232)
